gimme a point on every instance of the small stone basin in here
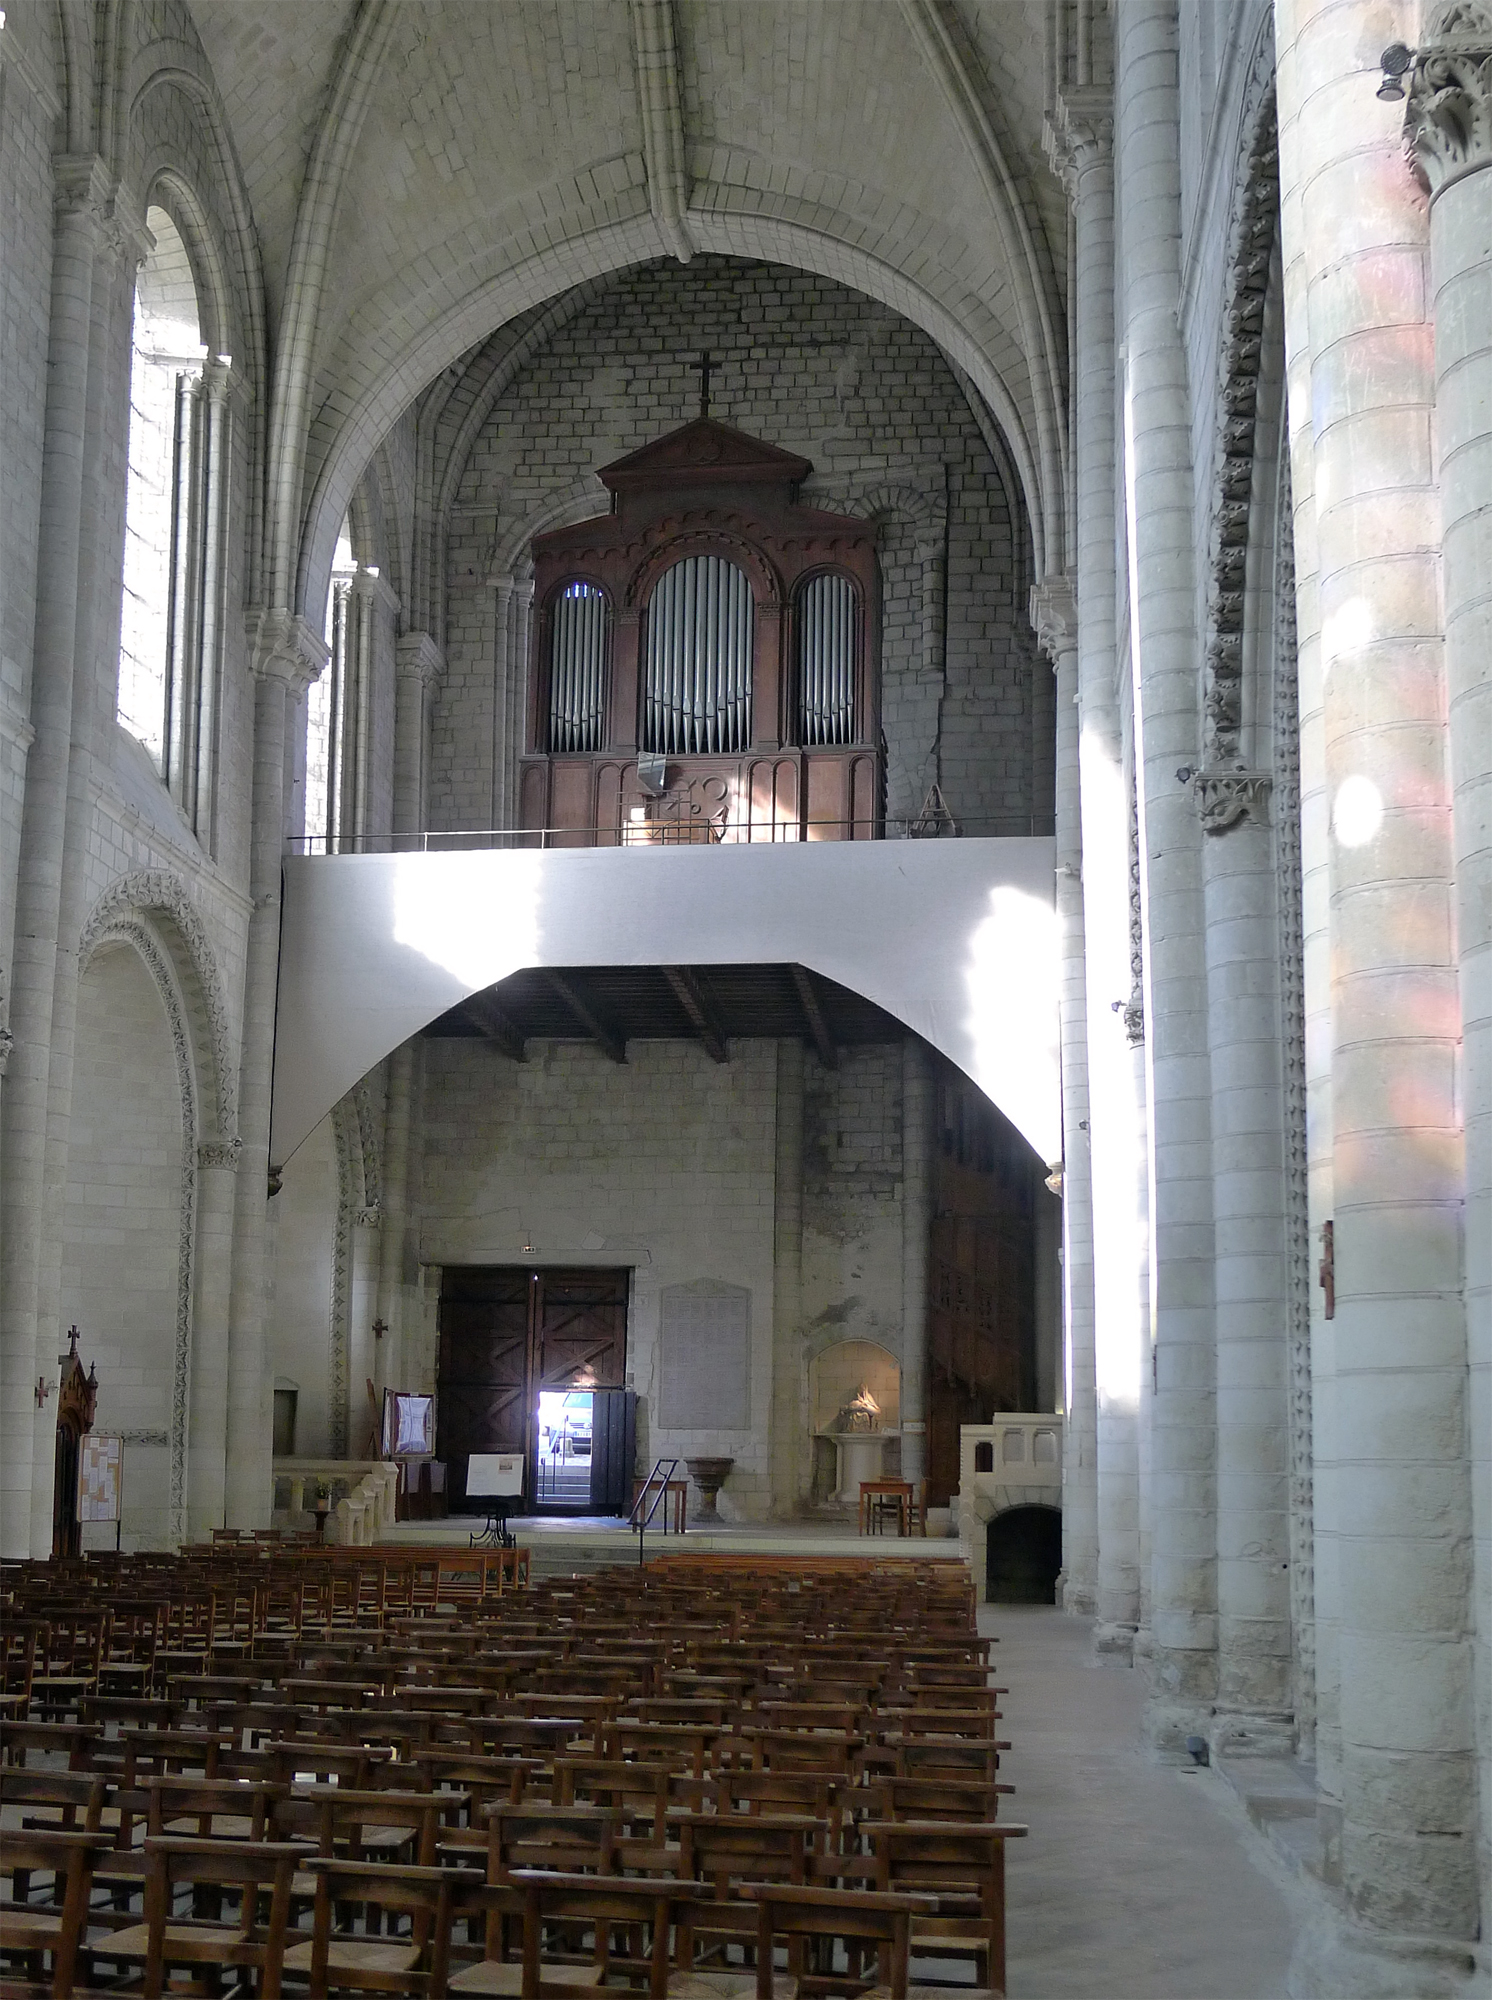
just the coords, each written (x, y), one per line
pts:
(709, 1475)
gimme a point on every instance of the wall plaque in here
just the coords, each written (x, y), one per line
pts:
(705, 1335)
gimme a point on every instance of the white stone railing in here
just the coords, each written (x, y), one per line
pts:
(1022, 1454)
(362, 1494)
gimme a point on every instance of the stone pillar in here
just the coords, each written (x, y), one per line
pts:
(285, 656)
(417, 666)
(212, 1279)
(1163, 658)
(789, 1384)
(1080, 139)
(362, 1310)
(388, 1371)
(1054, 615)
(1295, 128)
(1450, 117)
(917, 1109)
(80, 194)
(1400, 1513)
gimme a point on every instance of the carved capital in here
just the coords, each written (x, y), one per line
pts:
(81, 185)
(373, 584)
(125, 231)
(1225, 799)
(283, 647)
(1133, 1017)
(368, 1218)
(1079, 134)
(1448, 120)
(7, 1043)
(220, 1153)
(1054, 616)
(418, 658)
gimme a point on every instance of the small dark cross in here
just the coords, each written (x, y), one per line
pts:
(380, 1328)
(704, 368)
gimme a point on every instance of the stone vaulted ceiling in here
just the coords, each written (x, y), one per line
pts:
(420, 171)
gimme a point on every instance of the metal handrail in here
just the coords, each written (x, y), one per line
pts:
(758, 833)
(642, 1522)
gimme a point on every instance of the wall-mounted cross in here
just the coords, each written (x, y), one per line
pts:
(704, 368)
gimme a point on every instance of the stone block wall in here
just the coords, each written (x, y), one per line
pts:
(817, 369)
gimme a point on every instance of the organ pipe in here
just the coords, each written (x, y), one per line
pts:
(580, 635)
(826, 662)
(697, 690)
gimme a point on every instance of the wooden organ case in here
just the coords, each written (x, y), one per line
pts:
(705, 659)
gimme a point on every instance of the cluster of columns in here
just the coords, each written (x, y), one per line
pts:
(1190, 1500)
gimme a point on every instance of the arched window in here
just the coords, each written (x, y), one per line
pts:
(697, 674)
(579, 649)
(165, 368)
(827, 650)
(176, 529)
(328, 700)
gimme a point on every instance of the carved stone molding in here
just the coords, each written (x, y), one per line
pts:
(1252, 233)
(151, 890)
(1448, 120)
(7, 1043)
(1079, 133)
(1133, 1014)
(1054, 615)
(220, 1153)
(1226, 799)
(148, 1439)
(418, 658)
(284, 647)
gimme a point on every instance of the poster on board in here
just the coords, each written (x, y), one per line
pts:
(100, 1476)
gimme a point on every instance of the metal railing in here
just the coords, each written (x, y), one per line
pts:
(1006, 826)
(651, 1498)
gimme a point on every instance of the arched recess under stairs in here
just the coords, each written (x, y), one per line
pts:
(1023, 1555)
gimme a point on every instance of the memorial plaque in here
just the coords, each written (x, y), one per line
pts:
(705, 1334)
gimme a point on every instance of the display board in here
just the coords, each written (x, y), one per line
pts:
(494, 1475)
(100, 1476)
(705, 1335)
(408, 1424)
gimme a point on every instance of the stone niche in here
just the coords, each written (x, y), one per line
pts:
(833, 1378)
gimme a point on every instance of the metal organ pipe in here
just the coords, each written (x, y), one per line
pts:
(697, 695)
(579, 639)
(826, 661)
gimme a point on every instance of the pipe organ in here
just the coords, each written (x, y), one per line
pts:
(705, 657)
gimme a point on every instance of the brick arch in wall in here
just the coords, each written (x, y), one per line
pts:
(372, 397)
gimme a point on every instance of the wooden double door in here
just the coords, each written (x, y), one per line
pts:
(506, 1333)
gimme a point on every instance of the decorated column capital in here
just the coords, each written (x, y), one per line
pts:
(1448, 119)
(1054, 615)
(1079, 133)
(418, 658)
(284, 647)
(372, 583)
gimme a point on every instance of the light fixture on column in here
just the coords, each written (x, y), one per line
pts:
(1394, 62)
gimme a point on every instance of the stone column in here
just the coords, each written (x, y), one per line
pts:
(417, 666)
(389, 1364)
(1295, 125)
(212, 1279)
(916, 1221)
(789, 1410)
(1401, 1504)
(1163, 658)
(1054, 616)
(285, 656)
(362, 1310)
(81, 186)
(1080, 138)
(1450, 117)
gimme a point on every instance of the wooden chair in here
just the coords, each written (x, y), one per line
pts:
(931, 1798)
(659, 1906)
(859, 1918)
(227, 1870)
(59, 1801)
(34, 1929)
(338, 1958)
(963, 1866)
(728, 1850)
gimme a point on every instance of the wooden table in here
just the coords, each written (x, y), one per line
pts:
(873, 1489)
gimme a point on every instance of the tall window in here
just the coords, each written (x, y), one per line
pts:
(331, 775)
(579, 645)
(826, 661)
(176, 507)
(165, 367)
(697, 684)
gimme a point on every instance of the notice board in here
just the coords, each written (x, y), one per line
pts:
(100, 1476)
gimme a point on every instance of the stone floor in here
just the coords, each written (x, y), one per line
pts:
(1138, 1881)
